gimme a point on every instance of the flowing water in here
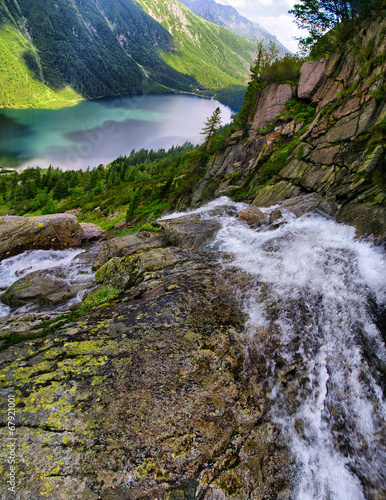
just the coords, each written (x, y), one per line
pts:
(63, 263)
(317, 318)
(318, 298)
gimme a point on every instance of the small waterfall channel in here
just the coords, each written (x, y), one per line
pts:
(65, 264)
(317, 318)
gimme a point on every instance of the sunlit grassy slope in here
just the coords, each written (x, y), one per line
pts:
(215, 56)
(19, 86)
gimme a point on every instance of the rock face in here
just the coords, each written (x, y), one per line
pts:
(311, 76)
(340, 155)
(57, 231)
(189, 231)
(150, 397)
(121, 246)
(271, 103)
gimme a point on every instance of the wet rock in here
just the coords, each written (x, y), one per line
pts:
(252, 216)
(121, 246)
(146, 397)
(189, 231)
(56, 231)
(38, 287)
(275, 215)
(304, 204)
(222, 210)
(369, 219)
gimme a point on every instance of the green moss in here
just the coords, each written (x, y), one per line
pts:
(14, 288)
(230, 482)
(149, 227)
(377, 135)
(380, 93)
(298, 111)
(102, 295)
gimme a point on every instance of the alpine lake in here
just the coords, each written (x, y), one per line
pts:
(95, 132)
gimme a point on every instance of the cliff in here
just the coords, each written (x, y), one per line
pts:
(323, 135)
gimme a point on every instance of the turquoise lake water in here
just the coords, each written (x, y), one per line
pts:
(98, 131)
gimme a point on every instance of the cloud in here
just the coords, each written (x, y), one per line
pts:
(273, 16)
(284, 28)
(253, 8)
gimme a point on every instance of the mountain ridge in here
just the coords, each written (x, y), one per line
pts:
(102, 48)
(229, 17)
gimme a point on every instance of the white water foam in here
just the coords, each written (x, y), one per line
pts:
(63, 261)
(324, 283)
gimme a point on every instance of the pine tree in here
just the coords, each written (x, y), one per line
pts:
(320, 16)
(212, 125)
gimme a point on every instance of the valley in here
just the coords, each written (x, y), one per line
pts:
(206, 322)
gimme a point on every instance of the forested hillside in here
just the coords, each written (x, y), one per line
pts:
(200, 46)
(97, 48)
(294, 135)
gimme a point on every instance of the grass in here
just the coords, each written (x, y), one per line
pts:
(216, 57)
(19, 86)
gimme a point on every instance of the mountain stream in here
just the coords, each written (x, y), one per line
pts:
(316, 329)
(317, 319)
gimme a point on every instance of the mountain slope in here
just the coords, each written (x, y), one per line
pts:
(99, 48)
(227, 16)
(19, 83)
(215, 56)
(109, 47)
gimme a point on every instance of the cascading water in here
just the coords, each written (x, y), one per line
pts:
(62, 262)
(318, 297)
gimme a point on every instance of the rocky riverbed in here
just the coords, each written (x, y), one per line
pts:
(208, 373)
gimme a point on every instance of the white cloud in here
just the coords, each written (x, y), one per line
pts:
(284, 28)
(253, 8)
(273, 16)
(265, 2)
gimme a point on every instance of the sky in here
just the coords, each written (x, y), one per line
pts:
(271, 15)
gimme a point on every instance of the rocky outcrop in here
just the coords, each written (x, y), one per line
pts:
(252, 216)
(305, 204)
(311, 76)
(272, 101)
(57, 231)
(124, 245)
(188, 231)
(39, 287)
(340, 155)
(91, 232)
(149, 397)
(123, 273)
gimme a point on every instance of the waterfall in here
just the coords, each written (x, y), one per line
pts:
(64, 263)
(315, 314)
